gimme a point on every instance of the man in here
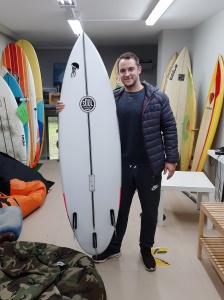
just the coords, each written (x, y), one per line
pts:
(148, 146)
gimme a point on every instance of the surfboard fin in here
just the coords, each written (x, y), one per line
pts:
(74, 221)
(112, 218)
(94, 240)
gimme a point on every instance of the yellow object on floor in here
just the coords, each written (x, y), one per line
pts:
(160, 250)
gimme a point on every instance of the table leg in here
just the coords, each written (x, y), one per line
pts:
(200, 232)
(211, 198)
(199, 199)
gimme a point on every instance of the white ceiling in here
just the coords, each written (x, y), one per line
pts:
(106, 22)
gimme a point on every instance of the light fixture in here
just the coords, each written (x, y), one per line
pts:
(66, 3)
(72, 15)
(76, 26)
(158, 10)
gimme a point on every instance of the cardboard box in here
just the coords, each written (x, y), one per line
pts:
(54, 97)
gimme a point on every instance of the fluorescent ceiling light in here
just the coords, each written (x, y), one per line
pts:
(64, 3)
(76, 26)
(157, 12)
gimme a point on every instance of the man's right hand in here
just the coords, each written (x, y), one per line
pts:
(59, 106)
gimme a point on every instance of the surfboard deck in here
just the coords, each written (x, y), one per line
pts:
(189, 125)
(115, 80)
(35, 67)
(167, 71)
(90, 154)
(176, 89)
(16, 62)
(210, 117)
(12, 136)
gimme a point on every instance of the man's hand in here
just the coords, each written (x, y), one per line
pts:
(59, 106)
(170, 167)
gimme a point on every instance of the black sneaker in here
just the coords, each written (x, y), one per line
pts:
(148, 259)
(108, 253)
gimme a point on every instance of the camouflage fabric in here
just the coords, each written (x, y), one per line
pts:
(31, 270)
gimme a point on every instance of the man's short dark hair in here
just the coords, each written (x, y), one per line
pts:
(128, 55)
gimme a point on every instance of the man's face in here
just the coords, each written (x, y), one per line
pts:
(129, 72)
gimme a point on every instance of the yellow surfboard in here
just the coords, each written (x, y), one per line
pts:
(167, 71)
(115, 80)
(34, 63)
(210, 118)
(189, 124)
(176, 89)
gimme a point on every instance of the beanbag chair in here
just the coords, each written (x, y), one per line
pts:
(21, 186)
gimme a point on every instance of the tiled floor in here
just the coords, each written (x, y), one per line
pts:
(125, 278)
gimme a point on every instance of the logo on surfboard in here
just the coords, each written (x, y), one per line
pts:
(75, 66)
(181, 77)
(87, 104)
(173, 71)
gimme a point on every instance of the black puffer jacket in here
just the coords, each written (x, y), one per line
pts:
(159, 128)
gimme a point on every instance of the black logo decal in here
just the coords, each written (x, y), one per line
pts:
(74, 67)
(23, 140)
(87, 104)
(181, 77)
(173, 72)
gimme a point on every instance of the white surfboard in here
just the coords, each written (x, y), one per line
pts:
(12, 136)
(90, 154)
(18, 94)
(176, 89)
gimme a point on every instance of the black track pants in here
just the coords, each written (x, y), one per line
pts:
(148, 187)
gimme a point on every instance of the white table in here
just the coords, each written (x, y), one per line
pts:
(187, 181)
(219, 158)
